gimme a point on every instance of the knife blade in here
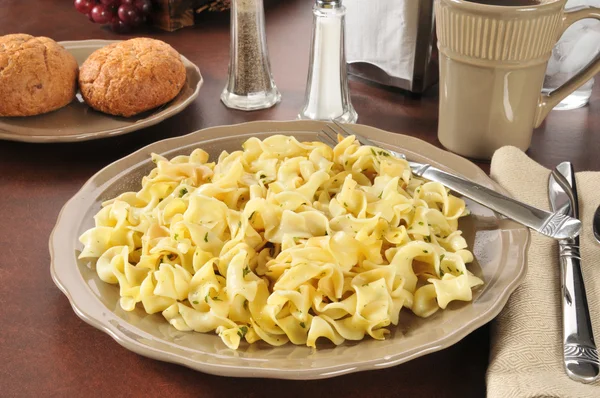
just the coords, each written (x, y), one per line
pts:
(580, 355)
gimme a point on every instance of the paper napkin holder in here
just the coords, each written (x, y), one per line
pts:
(425, 71)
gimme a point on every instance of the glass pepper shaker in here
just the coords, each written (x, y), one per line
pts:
(327, 96)
(250, 85)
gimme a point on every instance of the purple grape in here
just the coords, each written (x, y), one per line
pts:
(144, 6)
(119, 26)
(84, 6)
(101, 14)
(130, 15)
(110, 2)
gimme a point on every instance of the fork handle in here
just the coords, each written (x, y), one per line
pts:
(554, 225)
(579, 349)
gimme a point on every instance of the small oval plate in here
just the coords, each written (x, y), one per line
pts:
(79, 122)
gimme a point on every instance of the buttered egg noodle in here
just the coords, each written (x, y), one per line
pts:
(284, 241)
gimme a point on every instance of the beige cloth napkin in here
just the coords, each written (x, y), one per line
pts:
(526, 342)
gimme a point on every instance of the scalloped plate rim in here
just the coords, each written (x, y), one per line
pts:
(279, 373)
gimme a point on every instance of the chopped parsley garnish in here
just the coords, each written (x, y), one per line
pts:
(373, 152)
(302, 324)
(195, 302)
(216, 298)
(380, 195)
(183, 192)
(262, 176)
(384, 153)
(427, 238)
(206, 298)
(246, 271)
(206, 237)
(421, 223)
(345, 204)
(425, 251)
(251, 215)
(245, 304)
(442, 257)
(242, 331)
(176, 236)
(441, 272)
(239, 224)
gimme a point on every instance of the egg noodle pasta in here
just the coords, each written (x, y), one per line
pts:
(284, 241)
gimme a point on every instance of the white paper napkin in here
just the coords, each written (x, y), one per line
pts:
(383, 33)
(526, 347)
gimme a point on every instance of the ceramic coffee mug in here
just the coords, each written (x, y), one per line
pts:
(493, 57)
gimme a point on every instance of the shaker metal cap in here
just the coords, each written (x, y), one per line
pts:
(329, 3)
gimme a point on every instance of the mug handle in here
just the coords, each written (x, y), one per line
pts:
(549, 101)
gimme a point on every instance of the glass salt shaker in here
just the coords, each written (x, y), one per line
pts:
(250, 85)
(327, 96)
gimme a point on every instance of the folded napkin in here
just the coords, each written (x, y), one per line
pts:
(383, 33)
(526, 342)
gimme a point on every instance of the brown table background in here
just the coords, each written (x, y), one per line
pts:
(46, 350)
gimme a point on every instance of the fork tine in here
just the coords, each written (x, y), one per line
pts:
(332, 136)
(362, 139)
(340, 126)
(334, 131)
(348, 131)
(326, 138)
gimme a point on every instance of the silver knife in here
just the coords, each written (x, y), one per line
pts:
(579, 349)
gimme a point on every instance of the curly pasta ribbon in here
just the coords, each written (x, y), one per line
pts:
(284, 241)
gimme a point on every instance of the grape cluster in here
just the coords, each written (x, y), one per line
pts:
(122, 15)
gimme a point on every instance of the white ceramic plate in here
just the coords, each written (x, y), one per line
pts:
(79, 122)
(499, 246)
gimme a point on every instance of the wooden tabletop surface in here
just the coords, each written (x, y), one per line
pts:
(46, 350)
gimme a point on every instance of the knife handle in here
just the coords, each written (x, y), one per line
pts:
(580, 354)
(554, 225)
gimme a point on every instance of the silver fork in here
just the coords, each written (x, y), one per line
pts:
(554, 225)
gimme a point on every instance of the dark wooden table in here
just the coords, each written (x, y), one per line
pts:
(46, 350)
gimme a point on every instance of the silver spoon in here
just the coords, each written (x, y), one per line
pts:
(596, 224)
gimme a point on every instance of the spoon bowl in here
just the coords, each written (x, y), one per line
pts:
(596, 224)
